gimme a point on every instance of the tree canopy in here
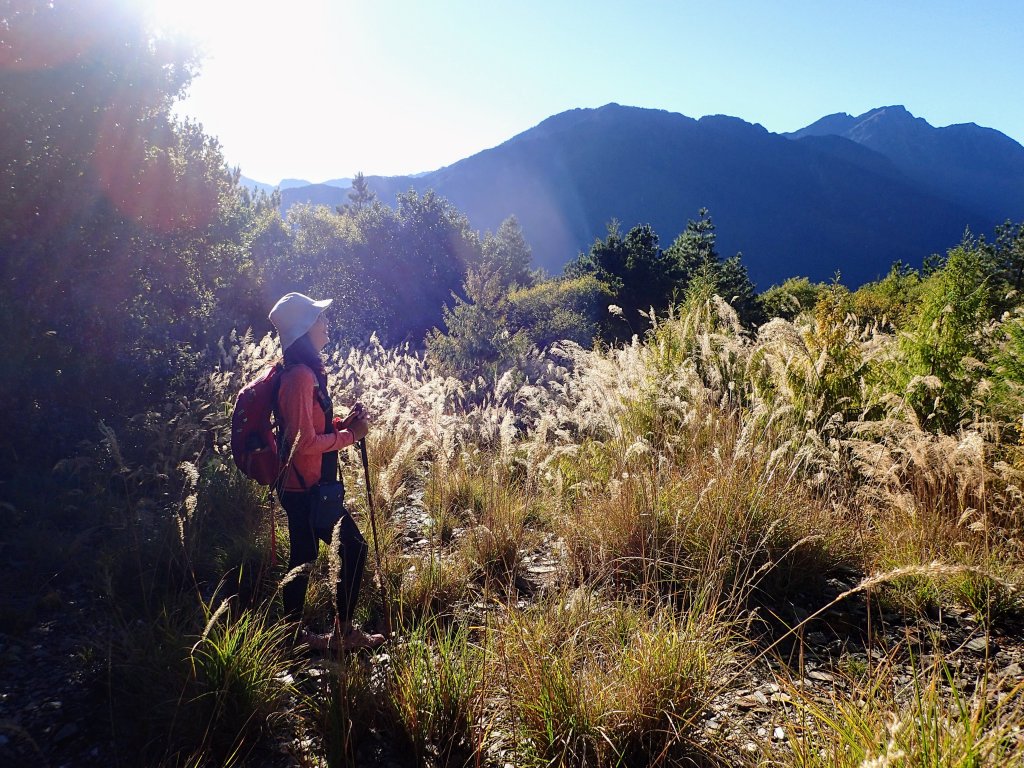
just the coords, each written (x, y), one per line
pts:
(121, 229)
(639, 276)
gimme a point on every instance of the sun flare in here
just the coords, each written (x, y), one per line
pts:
(192, 18)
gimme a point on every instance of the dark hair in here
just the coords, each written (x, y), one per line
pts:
(303, 351)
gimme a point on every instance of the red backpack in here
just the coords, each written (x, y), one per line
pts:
(254, 444)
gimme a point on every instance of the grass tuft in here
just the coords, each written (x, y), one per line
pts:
(935, 719)
(597, 682)
(238, 689)
(435, 694)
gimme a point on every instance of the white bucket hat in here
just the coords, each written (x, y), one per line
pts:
(294, 314)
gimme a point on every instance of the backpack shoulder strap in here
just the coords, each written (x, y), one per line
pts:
(328, 460)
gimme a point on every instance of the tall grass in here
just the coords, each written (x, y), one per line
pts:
(432, 588)
(238, 691)
(339, 712)
(435, 694)
(935, 719)
(594, 681)
(721, 511)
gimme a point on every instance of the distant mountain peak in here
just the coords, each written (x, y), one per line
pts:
(831, 125)
(730, 124)
(293, 183)
(608, 114)
(896, 115)
(978, 167)
(893, 110)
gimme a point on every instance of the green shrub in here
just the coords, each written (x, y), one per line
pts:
(941, 347)
(793, 297)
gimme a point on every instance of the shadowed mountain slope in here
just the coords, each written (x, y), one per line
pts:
(812, 203)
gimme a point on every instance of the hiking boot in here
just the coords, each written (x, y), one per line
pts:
(320, 642)
(356, 639)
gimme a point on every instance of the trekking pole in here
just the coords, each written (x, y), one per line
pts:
(376, 543)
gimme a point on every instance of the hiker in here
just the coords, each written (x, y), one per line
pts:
(312, 437)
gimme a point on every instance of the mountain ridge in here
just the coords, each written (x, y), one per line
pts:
(847, 193)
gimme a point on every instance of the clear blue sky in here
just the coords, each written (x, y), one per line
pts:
(320, 89)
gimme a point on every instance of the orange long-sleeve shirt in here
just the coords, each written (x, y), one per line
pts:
(303, 417)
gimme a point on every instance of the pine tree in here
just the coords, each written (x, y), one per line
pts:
(360, 196)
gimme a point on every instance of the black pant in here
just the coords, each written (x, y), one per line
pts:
(304, 545)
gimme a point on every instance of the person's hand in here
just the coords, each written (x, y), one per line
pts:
(358, 425)
(357, 422)
(343, 423)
